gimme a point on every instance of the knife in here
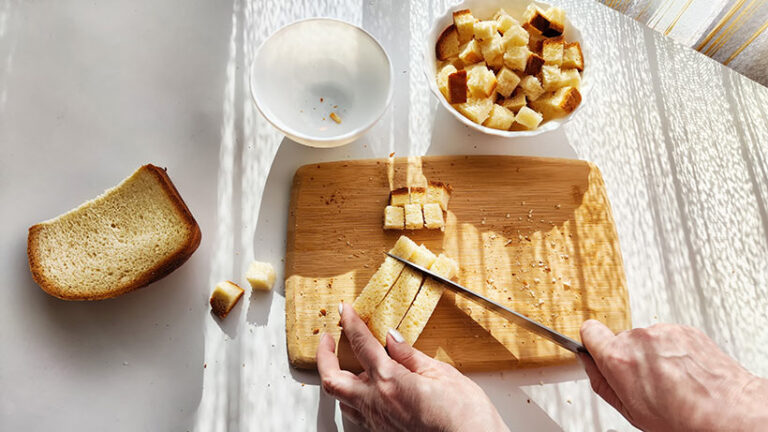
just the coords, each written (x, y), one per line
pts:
(515, 317)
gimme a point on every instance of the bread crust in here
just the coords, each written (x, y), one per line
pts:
(448, 43)
(161, 270)
(457, 87)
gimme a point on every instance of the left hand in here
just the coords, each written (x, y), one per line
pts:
(403, 390)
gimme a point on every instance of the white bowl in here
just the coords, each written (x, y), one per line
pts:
(313, 67)
(484, 9)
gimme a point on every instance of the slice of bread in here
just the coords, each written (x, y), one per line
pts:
(448, 44)
(414, 219)
(130, 236)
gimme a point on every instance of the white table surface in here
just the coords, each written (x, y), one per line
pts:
(89, 91)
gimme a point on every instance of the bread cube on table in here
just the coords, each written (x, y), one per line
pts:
(515, 35)
(563, 102)
(531, 87)
(224, 297)
(399, 197)
(471, 53)
(500, 118)
(481, 81)
(394, 218)
(457, 87)
(465, 25)
(552, 51)
(476, 109)
(485, 30)
(439, 193)
(515, 102)
(572, 56)
(516, 57)
(550, 77)
(506, 82)
(493, 51)
(418, 195)
(413, 217)
(442, 79)
(260, 275)
(447, 44)
(529, 118)
(433, 216)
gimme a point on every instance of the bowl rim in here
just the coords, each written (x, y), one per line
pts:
(299, 136)
(429, 47)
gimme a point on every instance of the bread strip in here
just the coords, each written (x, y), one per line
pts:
(381, 281)
(418, 314)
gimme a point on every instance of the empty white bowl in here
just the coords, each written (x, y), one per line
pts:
(311, 68)
(484, 9)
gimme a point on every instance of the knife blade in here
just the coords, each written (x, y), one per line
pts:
(515, 317)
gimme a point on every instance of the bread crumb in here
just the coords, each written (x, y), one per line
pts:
(315, 331)
(335, 117)
(323, 312)
(392, 154)
(321, 99)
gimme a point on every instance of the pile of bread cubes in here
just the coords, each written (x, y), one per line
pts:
(506, 75)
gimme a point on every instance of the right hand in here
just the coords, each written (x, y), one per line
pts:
(671, 377)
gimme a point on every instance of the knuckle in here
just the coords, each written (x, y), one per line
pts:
(330, 385)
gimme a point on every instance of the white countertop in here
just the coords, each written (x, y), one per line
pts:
(90, 91)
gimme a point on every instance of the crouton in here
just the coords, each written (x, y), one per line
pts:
(447, 44)
(493, 51)
(471, 53)
(516, 57)
(500, 118)
(418, 195)
(457, 87)
(394, 218)
(515, 102)
(433, 216)
(563, 102)
(476, 109)
(438, 193)
(528, 118)
(399, 197)
(225, 296)
(572, 56)
(506, 82)
(413, 217)
(531, 87)
(552, 51)
(550, 23)
(260, 275)
(480, 80)
(533, 65)
(515, 36)
(504, 21)
(550, 77)
(485, 30)
(442, 79)
(570, 78)
(464, 23)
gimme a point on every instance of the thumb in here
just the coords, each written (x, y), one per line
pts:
(596, 337)
(406, 355)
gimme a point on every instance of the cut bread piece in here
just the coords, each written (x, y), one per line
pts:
(394, 218)
(528, 118)
(552, 51)
(515, 102)
(481, 81)
(504, 21)
(399, 197)
(531, 87)
(442, 79)
(457, 87)
(485, 30)
(447, 44)
(426, 300)
(393, 308)
(572, 56)
(516, 35)
(260, 275)
(563, 102)
(381, 281)
(130, 236)
(413, 218)
(535, 39)
(476, 109)
(534, 64)
(440, 193)
(516, 57)
(471, 53)
(570, 78)
(465, 25)
(550, 77)
(418, 195)
(493, 51)
(433, 216)
(550, 23)
(224, 297)
(506, 82)
(500, 118)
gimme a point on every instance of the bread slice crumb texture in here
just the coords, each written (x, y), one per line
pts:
(130, 236)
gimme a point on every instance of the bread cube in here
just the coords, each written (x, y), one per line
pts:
(572, 56)
(552, 51)
(556, 17)
(531, 87)
(471, 53)
(485, 30)
(515, 102)
(506, 82)
(534, 64)
(438, 193)
(500, 118)
(516, 57)
(260, 275)
(476, 109)
(563, 102)
(394, 218)
(570, 78)
(481, 81)
(418, 195)
(433, 216)
(493, 51)
(224, 297)
(465, 25)
(447, 44)
(413, 217)
(442, 79)
(550, 77)
(515, 35)
(457, 87)
(528, 118)
(504, 21)
(399, 197)
(535, 39)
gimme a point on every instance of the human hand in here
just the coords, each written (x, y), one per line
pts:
(403, 390)
(672, 377)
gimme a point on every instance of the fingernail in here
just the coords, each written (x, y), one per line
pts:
(396, 336)
(341, 308)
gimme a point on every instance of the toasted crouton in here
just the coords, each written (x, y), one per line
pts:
(394, 218)
(471, 53)
(225, 296)
(413, 217)
(535, 39)
(550, 23)
(439, 193)
(480, 80)
(493, 51)
(515, 102)
(500, 118)
(531, 87)
(504, 21)
(515, 36)
(465, 25)
(528, 118)
(572, 56)
(260, 275)
(457, 87)
(570, 78)
(485, 30)
(533, 65)
(399, 197)
(506, 81)
(516, 57)
(552, 51)
(550, 77)
(442, 79)
(433, 216)
(447, 44)
(476, 109)
(563, 102)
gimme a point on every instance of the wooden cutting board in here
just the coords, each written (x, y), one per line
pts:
(535, 234)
